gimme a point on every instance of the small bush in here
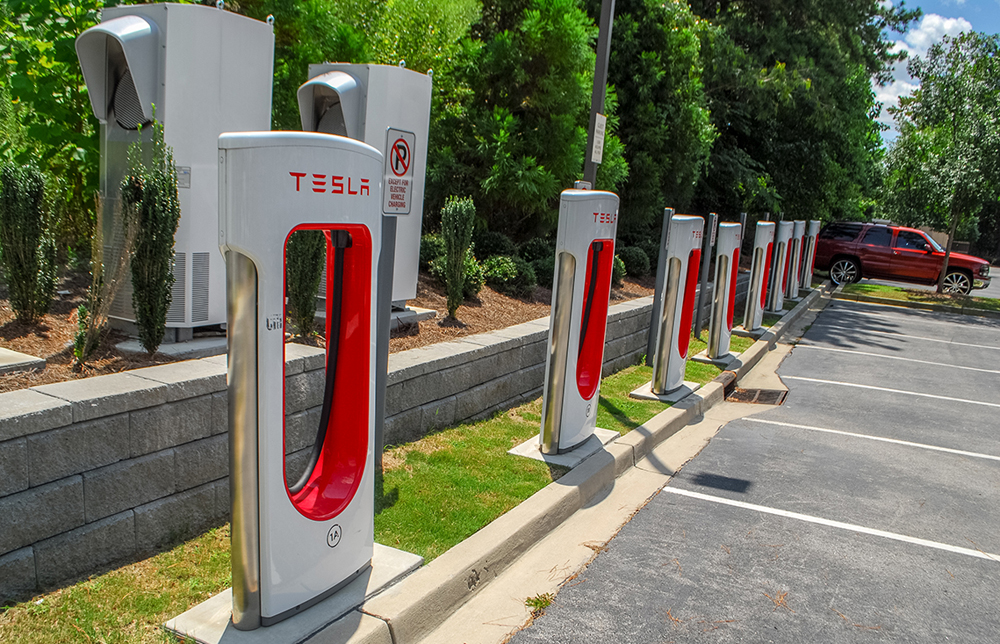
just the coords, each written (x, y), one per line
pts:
(636, 261)
(29, 250)
(475, 277)
(618, 271)
(536, 248)
(510, 275)
(305, 253)
(651, 246)
(431, 247)
(545, 268)
(457, 218)
(152, 192)
(490, 243)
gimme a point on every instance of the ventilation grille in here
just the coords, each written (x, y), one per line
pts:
(128, 109)
(199, 287)
(175, 314)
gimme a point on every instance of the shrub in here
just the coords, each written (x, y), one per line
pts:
(651, 246)
(29, 251)
(457, 218)
(490, 243)
(618, 271)
(636, 261)
(510, 275)
(545, 268)
(536, 248)
(152, 191)
(305, 253)
(475, 277)
(431, 247)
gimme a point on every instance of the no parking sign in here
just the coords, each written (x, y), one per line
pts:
(399, 151)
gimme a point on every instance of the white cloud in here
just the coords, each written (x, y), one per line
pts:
(916, 42)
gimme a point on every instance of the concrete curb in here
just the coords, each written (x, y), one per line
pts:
(922, 306)
(416, 605)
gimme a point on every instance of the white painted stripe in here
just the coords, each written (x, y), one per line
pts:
(921, 315)
(893, 391)
(979, 554)
(875, 438)
(881, 355)
(912, 337)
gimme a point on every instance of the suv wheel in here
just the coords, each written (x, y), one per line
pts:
(845, 271)
(957, 282)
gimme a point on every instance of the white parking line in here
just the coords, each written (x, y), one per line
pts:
(893, 391)
(928, 317)
(874, 438)
(979, 554)
(912, 337)
(882, 355)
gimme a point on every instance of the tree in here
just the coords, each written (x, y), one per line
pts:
(945, 165)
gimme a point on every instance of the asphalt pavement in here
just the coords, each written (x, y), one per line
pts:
(863, 509)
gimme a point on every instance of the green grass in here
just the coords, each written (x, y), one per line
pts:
(436, 492)
(926, 297)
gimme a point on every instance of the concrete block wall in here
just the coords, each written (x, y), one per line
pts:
(109, 469)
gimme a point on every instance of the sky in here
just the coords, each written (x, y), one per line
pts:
(941, 17)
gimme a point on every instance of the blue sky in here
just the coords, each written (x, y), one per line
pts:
(941, 17)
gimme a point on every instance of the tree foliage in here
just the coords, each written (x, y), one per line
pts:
(28, 250)
(457, 219)
(945, 165)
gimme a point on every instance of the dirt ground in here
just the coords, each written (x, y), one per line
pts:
(51, 337)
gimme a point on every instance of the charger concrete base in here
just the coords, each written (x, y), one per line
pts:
(210, 621)
(755, 334)
(724, 362)
(11, 361)
(645, 392)
(597, 440)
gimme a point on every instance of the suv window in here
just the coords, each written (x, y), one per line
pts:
(840, 232)
(878, 236)
(910, 240)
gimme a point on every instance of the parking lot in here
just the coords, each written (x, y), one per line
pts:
(863, 509)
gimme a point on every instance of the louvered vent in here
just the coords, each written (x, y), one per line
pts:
(199, 287)
(128, 110)
(175, 314)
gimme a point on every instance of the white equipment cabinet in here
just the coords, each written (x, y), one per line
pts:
(206, 71)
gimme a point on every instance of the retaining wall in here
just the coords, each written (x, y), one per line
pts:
(113, 468)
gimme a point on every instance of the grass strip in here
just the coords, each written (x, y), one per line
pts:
(923, 297)
(436, 492)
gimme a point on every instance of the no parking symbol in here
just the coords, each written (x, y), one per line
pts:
(399, 151)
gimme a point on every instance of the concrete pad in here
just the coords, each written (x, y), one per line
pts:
(753, 333)
(645, 392)
(11, 361)
(725, 362)
(190, 349)
(210, 622)
(570, 459)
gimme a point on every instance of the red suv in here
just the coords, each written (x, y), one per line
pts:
(851, 251)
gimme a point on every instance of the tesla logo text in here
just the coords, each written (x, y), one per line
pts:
(333, 183)
(605, 217)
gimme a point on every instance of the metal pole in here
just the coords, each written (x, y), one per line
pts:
(600, 82)
(707, 244)
(386, 260)
(661, 271)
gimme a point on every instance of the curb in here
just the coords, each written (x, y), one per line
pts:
(921, 306)
(413, 607)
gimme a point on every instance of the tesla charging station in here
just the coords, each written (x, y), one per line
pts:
(673, 329)
(809, 254)
(795, 259)
(296, 542)
(207, 72)
(727, 265)
(763, 247)
(388, 107)
(779, 267)
(585, 251)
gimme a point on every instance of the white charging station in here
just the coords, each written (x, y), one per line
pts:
(585, 251)
(387, 107)
(673, 329)
(296, 542)
(760, 272)
(795, 259)
(207, 71)
(780, 264)
(727, 265)
(809, 254)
